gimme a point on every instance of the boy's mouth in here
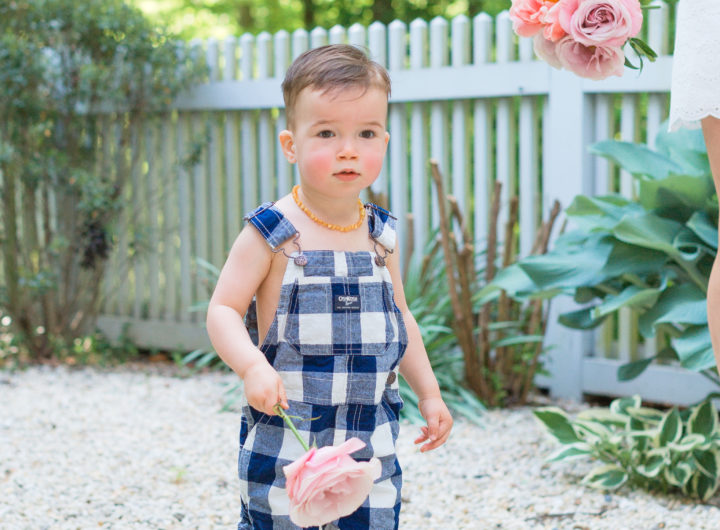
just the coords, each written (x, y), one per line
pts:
(346, 174)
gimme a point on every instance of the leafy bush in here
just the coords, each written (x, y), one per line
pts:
(641, 446)
(77, 78)
(653, 254)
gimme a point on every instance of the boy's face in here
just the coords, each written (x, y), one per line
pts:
(338, 139)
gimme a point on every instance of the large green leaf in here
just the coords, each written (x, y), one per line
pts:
(581, 319)
(650, 231)
(632, 296)
(557, 424)
(675, 191)
(592, 213)
(704, 486)
(654, 463)
(637, 159)
(701, 224)
(631, 370)
(686, 147)
(679, 474)
(682, 303)
(694, 348)
(570, 452)
(624, 404)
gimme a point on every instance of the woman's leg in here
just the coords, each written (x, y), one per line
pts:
(711, 131)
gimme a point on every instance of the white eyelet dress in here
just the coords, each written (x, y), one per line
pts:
(336, 340)
(695, 92)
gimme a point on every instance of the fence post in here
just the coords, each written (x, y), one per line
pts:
(566, 173)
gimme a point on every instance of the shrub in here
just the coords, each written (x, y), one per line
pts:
(77, 78)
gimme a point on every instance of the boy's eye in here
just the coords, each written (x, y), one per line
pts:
(368, 134)
(325, 134)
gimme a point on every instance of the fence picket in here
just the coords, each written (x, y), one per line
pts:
(249, 134)
(356, 35)
(377, 44)
(460, 56)
(482, 124)
(337, 34)
(152, 192)
(282, 53)
(438, 109)
(232, 162)
(183, 150)
(170, 223)
(504, 167)
(266, 141)
(214, 176)
(398, 130)
(418, 152)
(318, 37)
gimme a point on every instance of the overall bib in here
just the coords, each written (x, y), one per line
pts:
(336, 341)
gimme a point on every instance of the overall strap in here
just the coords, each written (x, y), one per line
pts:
(272, 224)
(381, 225)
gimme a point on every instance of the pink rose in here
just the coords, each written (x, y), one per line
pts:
(325, 484)
(593, 62)
(601, 22)
(545, 50)
(531, 16)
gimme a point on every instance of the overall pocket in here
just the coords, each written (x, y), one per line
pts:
(341, 316)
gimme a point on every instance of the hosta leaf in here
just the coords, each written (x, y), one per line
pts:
(687, 443)
(593, 428)
(570, 452)
(679, 474)
(703, 419)
(653, 465)
(621, 405)
(557, 424)
(694, 348)
(646, 414)
(703, 486)
(604, 415)
(676, 191)
(670, 428)
(708, 462)
(607, 477)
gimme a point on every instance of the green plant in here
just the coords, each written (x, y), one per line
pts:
(641, 446)
(652, 254)
(78, 79)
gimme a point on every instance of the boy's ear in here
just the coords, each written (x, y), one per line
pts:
(287, 144)
(387, 138)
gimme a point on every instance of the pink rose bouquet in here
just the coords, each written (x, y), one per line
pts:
(584, 36)
(326, 484)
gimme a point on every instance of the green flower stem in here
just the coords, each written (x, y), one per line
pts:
(277, 408)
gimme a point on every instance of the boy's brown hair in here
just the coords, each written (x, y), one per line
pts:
(332, 67)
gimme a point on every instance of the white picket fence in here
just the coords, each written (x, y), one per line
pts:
(466, 93)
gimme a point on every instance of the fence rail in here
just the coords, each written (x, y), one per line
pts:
(465, 92)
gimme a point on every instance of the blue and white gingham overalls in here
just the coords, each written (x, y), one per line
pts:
(336, 341)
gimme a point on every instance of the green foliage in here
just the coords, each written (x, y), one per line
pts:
(221, 18)
(642, 447)
(652, 255)
(78, 79)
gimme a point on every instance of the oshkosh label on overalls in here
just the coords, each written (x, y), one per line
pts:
(347, 302)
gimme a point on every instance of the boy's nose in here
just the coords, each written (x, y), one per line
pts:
(347, 151)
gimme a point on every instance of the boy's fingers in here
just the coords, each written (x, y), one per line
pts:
(433, 428)
(283, 396)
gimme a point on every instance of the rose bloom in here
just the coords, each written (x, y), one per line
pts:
(545, 50)
(532, 16)
(326, 484)
(592, 62)
(600, 22)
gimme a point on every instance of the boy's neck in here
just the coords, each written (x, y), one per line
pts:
(338, 211)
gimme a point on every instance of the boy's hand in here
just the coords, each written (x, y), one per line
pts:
(264, 388)
(439, 423)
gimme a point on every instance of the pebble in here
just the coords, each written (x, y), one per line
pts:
(147, 447)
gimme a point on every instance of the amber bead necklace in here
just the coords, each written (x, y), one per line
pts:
(319, 221)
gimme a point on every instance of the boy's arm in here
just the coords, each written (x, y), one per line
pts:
(244, 271)
(415, 368)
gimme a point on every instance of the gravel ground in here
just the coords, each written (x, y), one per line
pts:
(144, 447)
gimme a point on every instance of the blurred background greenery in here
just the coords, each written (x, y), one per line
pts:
(222, 18)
